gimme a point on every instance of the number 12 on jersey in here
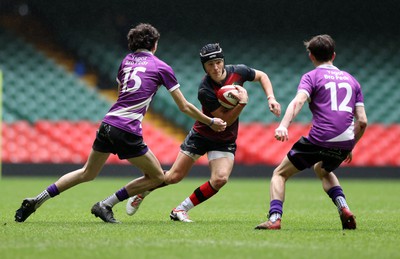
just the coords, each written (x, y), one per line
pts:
(343, 106)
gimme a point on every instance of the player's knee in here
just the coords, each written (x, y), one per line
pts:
(173, 178)
(218, 182)
(280, 174)
(86, 175)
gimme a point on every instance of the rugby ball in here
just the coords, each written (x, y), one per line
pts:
(225, 96)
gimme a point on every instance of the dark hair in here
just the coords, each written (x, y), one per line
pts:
(321, 46)
(143, 36)
(211, 51)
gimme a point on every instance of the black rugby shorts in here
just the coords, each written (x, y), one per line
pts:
(110, 139)
(305, 154)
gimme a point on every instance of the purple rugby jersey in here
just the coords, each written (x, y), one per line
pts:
(333, 95)
(139, 77)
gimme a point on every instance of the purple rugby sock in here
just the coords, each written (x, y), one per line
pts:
(276, 207)
(53, 190)
(122, 194)
(334, 192)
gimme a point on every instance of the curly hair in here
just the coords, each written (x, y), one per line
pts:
(142, 36)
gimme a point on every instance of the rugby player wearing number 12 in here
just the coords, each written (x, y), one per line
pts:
(335, 100)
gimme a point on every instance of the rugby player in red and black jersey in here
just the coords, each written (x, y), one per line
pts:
(219, 146)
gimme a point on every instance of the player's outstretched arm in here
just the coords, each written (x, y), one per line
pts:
(294, 107)
(266, 84)
(188, 108)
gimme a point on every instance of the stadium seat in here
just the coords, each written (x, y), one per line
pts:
(56, 104)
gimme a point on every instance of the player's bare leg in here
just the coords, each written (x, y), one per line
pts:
(88, 172)
(153, 176)
(331, 186)
(221, 169)
(178, 171)
(277, 194)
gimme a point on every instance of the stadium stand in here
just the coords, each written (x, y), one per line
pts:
(47, 108)
(41, 89)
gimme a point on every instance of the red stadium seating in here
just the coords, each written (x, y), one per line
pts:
(256, 143)
(70, 142)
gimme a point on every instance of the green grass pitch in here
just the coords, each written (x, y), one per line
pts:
(224, 226)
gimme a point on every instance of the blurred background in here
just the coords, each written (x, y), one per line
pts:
(59, 61)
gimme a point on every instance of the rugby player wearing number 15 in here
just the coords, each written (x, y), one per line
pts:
(335, 100)
(140, 75)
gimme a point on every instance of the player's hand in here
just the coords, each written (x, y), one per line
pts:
(218, 125)
(242, 95)
(349, 157)
(281, 134)
(274, 107)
